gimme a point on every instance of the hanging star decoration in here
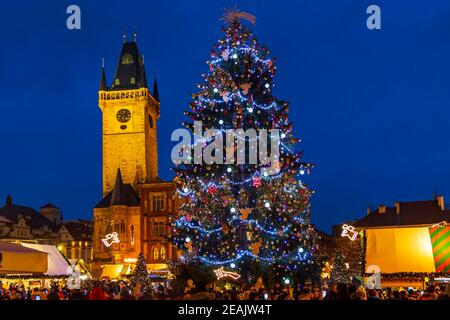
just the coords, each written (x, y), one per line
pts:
(220, 273)
(233, 14)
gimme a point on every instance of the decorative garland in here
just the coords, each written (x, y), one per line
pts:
(411, 275)
(29, 277)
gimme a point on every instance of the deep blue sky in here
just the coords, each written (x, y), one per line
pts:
(372, 107)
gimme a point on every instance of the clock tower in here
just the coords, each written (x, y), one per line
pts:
(137, 205)
(130, 113)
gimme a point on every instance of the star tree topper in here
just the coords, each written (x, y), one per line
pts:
(233, 14)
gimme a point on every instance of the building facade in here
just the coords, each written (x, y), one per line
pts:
(137, 205)
(75, 240)
(46, 226)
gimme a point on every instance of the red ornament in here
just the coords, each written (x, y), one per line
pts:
(257, 182)
(188, 218)
(212, 189)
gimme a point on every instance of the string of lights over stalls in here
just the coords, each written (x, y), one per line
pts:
(233, 212)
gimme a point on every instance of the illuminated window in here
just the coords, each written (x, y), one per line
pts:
(127, 58)
(159, 229)
(158, 202)
(132, 235)
(133, 80)
(117, 82)
(122, 227)
(155, 253)
(162, 253)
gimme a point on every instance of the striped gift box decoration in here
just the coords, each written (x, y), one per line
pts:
(440, 241)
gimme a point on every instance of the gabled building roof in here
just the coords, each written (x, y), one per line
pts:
(49, 205)
(35, 220)
(121, 195)
(406, 214)
(79, 230)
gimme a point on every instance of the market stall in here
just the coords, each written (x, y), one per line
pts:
(18, 259)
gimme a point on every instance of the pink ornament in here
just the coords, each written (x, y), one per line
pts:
(257, 182)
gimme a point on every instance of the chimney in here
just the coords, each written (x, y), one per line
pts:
(368, 210)
(440, 200)
(397, 207)
(382, 209)
(8, 201)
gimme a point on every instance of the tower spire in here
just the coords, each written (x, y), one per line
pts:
(155, 89)
(103, 77)
(143, 75)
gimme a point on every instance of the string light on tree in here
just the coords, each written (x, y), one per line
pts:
(241, 216)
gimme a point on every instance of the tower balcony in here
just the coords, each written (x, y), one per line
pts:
(140, 94)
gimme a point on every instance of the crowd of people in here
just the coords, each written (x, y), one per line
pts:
(121, 290)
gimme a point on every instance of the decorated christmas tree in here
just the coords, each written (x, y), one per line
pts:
(139, 275)
(340, 272)
(249, 217)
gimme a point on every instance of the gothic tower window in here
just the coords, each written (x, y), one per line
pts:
(122, 227)
(127, 58)
(155, 253)
(117, 82)
(132, 235)
(133, 80)
(162, 253)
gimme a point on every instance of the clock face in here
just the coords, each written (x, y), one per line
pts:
(123, 115)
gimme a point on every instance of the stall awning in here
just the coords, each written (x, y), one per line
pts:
(112, 271)
(57, 264)
(156, 266)
(17, 259)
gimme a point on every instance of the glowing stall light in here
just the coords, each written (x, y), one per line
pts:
(349, 232)
(220, 273)
(110, 239)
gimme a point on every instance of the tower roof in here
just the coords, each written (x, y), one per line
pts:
(155, 90)
(103, 79)
(130, 73)
(121, 195)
